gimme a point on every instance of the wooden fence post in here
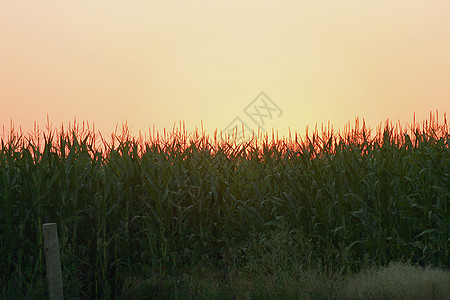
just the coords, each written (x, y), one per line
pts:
(52, 261)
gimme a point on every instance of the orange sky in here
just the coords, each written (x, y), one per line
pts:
(159, 62)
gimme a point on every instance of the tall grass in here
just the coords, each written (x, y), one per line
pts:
(177, 202)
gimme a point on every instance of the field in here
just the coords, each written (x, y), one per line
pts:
(184, 215)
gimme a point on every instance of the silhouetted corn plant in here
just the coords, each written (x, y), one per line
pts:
(165, 204)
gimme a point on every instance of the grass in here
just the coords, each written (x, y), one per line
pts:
(396, 281)
(351, 215)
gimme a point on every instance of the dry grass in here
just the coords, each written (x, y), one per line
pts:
(396, 281)
(399, 281)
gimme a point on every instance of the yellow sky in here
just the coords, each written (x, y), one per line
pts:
(161, 62)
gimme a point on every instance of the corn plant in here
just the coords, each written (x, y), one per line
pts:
(165, 204)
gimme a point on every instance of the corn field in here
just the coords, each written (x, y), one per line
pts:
(167, 203)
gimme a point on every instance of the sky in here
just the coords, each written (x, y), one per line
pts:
(280, 65)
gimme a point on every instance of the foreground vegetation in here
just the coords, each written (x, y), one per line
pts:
(189, 216)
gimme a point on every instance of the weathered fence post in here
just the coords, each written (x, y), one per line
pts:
(52, 261)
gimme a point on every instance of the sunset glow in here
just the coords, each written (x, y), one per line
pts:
(156, 63)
